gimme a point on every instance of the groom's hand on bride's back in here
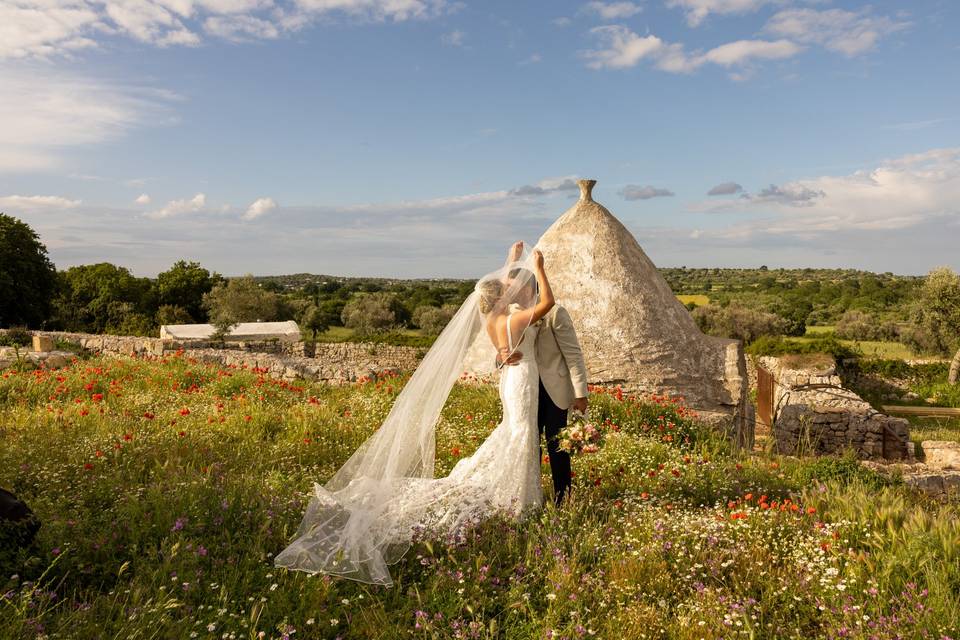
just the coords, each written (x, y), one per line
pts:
(512, 359)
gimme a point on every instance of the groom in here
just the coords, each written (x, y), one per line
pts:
(563, 386)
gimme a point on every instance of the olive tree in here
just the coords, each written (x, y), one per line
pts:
(240, 300)
(371, 313)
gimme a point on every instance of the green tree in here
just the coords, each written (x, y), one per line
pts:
(184, 285)
(737, 321)
(371, 313)
(432, 320)
(935, 326)
(173, 314)
(96, 297)
(240, 300)
(315, 320)
(28, 278)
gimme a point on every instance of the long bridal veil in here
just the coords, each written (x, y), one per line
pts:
(363, 519)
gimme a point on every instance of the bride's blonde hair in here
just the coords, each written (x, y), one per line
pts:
(490, 293)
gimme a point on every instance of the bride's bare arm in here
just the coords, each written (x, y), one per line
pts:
(521, 319)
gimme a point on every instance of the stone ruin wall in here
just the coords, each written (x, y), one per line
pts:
(832, 419)
(328, 362)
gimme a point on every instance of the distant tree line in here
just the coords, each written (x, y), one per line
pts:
(922, 312)
(106, 298)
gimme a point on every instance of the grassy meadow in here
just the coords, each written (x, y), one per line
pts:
(166, 486)
(697, 299)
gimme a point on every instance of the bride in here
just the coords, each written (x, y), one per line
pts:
(385, 495)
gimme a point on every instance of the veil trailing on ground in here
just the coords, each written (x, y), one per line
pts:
(363, 519)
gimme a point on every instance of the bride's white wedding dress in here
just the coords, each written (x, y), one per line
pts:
(358, 530)
(507, 465)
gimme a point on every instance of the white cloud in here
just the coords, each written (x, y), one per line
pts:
(378, 10)
(725, 189)
(698, 10)
(12, 204)
(43, 28)
(864, 220)
(241, 28)
(743, 51)
(148, 22)
(48, 28)
(636, 192)
(546, 186)
(621, 48)
(613, 10)
(896, 194)
(45, 112)
(142, 199)
(454, 38)
(259, 207)
(180, 207)
(847, 32)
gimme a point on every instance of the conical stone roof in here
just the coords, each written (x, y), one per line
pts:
(632, 328)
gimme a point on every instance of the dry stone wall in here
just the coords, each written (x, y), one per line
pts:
(813, 413)
(330, 362)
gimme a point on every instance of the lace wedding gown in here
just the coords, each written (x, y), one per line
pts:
(370, 524)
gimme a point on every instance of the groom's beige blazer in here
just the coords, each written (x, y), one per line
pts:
(560, 359)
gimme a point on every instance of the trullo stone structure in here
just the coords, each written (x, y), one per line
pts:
(633, 330)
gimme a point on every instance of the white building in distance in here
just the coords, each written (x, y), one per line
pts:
(287, 331)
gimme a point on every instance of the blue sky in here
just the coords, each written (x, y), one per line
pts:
(419, 137)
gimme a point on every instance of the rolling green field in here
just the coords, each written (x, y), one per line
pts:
(697, 299)
(166, 486)
(870, 349)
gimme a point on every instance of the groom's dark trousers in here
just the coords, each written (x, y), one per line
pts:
(550, 420)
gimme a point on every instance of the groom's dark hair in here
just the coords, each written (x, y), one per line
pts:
(518, 271)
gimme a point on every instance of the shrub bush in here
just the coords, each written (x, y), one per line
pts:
(432, 320)
(736, 321)
(778, 346)
(16, 337)
(859, 325)
(371, 313)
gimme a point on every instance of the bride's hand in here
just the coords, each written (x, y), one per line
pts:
(537, 259)
(516, 250)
